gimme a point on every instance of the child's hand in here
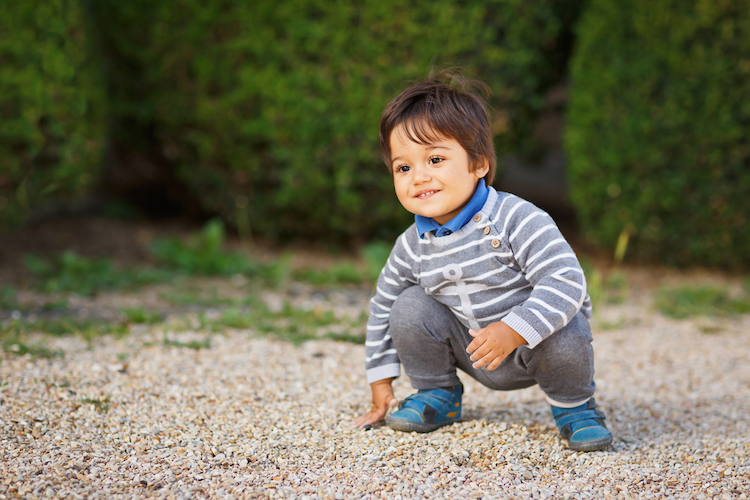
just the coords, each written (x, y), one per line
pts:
(382, 400)
(492, 344)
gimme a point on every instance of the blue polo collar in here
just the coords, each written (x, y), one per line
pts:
(427, 224)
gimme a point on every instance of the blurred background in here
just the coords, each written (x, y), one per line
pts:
(628, 120)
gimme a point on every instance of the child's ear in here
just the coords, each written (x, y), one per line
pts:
(482, 168)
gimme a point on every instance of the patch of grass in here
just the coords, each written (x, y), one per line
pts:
(55, 305)
(612, 325)
(344, 337)
(141, 316)
(101, 405)
(8, 296)
(374, 256)
(35, 350)
(291, 324)
(685, 302)
(86, 276)
(87, 328)
(202, 254)
(13, 340)
(205, 296)
(338, 274)
(193, 344)
(604, 287)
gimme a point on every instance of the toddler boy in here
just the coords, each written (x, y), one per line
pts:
(482, 281)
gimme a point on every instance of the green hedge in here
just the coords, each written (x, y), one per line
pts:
(51, 107)
(270, 109)
(658, 137)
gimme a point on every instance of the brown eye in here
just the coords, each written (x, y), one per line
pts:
(434, 160)
(403, 168)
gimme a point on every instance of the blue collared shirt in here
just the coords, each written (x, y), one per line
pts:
(427, 224)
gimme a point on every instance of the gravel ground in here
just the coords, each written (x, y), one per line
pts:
(251, 417)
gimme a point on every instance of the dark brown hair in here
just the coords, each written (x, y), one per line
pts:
(444, 106)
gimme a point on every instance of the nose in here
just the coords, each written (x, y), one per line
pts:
(421, 174)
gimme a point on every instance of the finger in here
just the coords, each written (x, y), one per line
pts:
(393, 403)
(367, 419)
(484, 361)
(494, 364)
(475, 344)
(481, 352)
(474, 333)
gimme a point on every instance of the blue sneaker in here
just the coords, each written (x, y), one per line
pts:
(583, 426)
(427, 410)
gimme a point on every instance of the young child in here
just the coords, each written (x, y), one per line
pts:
(483, 281)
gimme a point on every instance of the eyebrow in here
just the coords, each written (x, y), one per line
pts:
(429, 148)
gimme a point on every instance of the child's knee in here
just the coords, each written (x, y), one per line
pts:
(569, 348)
(408, 310)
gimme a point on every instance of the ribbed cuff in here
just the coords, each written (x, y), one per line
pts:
(524, 329)
(385, 371)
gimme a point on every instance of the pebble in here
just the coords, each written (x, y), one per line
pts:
(252, 417)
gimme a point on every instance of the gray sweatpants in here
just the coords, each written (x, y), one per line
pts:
(431, 343)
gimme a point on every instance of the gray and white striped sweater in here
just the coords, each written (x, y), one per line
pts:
(509, 263)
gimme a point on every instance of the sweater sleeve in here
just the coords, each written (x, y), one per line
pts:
(397, 275)
(550, 266)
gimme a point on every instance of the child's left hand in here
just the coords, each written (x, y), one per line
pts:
(492, 344)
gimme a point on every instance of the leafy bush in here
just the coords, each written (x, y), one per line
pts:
(270, 109)
(51, 107)
(658, 137)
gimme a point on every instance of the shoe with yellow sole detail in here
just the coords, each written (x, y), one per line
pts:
(427, 410)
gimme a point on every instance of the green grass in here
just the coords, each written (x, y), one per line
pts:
(72, 273)
(684, 302)
(36, 350)
(8, 297)
(206, 297)
(291, 324)
(373, 256)
(140, 316)
(192, 344)
(604, 287)
(203, 254)
(101, 405)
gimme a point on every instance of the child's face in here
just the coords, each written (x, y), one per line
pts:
(432, 180)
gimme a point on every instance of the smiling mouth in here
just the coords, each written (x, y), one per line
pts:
(425, 194)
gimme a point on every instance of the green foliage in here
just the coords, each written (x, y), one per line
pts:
(101, 405)
(270, 110)
(141, 316)
(338, 274)
(192, 344)
(86, 328)
(604, 287)
(374, 256)
(203, 254)
(658, 129)
(7, 297)
(52, 106)
(684, 302)
(290, 323)
(86, 276)
(13, 341)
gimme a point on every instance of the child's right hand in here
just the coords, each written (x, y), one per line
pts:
(382, 400)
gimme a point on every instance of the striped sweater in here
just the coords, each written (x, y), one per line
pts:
(509, 263)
